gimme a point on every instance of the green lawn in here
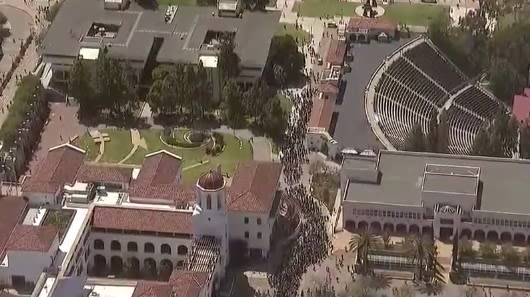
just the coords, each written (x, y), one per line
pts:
(115, 150)
(301, 36)
(60, 219)
(411, 14)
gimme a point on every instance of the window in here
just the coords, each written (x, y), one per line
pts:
(165, 249)
(258, 221)
(182, 250)
(245, 220)
(149, 248)
(218, 202)
(246, 234)
(115, 245)
(208, 202)
(259, 235)
(99, 244)
(132, 246)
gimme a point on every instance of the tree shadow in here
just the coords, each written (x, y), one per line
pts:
(429, 289)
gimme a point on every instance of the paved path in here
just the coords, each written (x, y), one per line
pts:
(137, 142)
(261, 149)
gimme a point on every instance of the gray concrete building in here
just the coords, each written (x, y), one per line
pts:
(480, 197)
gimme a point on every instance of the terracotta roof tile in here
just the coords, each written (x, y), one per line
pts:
(135, 219)
(254, 186)
(59, 167)
(336, 52)
(12, 210)
(157, 177)
(188, 283)
(384, 24)
(32, 238)
(100, 173)
(321, 113)
(152, 289)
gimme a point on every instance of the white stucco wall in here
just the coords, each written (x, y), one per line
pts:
(36, 199)
(237, 229)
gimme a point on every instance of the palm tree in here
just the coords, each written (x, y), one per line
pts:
(418, 254)
(434, 273)
(363, 244)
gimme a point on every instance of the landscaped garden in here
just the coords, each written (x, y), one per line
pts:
(199, 153)
(324, 184)
(60, 219)
(411, 14)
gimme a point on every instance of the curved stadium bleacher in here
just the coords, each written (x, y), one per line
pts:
(416, 84)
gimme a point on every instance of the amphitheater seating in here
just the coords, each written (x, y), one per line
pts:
(434, 65)
(474, 99)
(411, 77)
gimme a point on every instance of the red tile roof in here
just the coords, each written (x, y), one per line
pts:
(135, 219)
(100, 173)
(328, 89)
(521, 106)
(383, 24)
(152, 289)
(12, 210)
(254, 186)
(336, 52)
(58, 168)
(188, 283)
(32, 238)
(158, 177)
(321, 113)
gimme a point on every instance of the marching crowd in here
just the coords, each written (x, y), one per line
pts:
(312, 243)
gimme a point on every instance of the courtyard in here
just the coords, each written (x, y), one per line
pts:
(128, 147)
(402, 13)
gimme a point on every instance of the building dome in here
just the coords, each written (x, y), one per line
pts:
(211, 180)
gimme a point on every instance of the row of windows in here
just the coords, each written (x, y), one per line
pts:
(501, 222)
(247, 235)
(246, 220)
(387, 213)
(209, 202)
(133, 247)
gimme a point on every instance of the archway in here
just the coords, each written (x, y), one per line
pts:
(182, 250)
(132, 267)
(414, 229)
(388, 227)
(100, 265)
(479, 235)
(149, 248)
(115, 245)
(401, 229)
(116, 265)
(362, 225)
(506, 236)
(375, 227)
(180, 264)
(165, 249)
(350, 225)
(132, 246)
(426, 230)
(149, 270)
(466, 232)
(519, 239)
(99, 244)
(166, 268)
(493, 236)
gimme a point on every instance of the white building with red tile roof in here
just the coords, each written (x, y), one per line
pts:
(156, 225)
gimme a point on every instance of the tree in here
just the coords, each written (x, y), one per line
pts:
(203, 98)
(404, 291)
(363, 245)
(418, 253)
(284, 55)
(443, 133)
(488, 250)
(509, 255)
(415, 141)
(275, 119)
(434, 272)
(228, 59)
(431, 139)
(499, 138)
(234, 112)
(162, 96)
(505, 81)
(481, 143)
(3, 18)
(79, 86)
(524, 146)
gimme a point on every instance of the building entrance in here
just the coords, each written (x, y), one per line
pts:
(446, 233)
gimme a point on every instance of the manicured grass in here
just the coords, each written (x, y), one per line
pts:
(228, 159)
(301, 36)
(115, 150)
(414, 14)
(419, 14)
(119, 145)
(85, 142)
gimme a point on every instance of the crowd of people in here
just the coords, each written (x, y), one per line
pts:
(312, 242)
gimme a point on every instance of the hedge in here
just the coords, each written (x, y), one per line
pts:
(22, 100)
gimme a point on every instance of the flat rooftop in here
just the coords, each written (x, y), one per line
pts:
(504, 181)
(138, 27)
(110, 291)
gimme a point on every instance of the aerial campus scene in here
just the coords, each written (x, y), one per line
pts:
(239, 148)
